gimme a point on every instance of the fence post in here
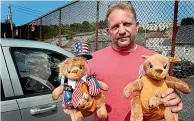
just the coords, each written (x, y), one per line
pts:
(174, 34)
(28, 31)
(59, 41)
(20, 33)
(41, 29)
(97, 23)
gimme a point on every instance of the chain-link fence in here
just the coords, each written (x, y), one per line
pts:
(165, 26)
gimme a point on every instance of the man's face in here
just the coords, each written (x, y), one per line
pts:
(44, 70)
(122, 28)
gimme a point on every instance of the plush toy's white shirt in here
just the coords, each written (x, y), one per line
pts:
(72, 83)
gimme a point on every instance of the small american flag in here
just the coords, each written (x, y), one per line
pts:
(77, 93)
(94, 87)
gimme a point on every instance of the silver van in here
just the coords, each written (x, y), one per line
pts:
(29, 72)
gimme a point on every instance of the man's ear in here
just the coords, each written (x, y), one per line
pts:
(137, 26)
(171, 59)
(107, 30)
(144, 56)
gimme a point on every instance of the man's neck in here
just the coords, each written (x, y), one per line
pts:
(130, 48)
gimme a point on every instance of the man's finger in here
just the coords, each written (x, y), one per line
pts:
(172, 100)
(177, 108)
(167, 92)
(170, 97)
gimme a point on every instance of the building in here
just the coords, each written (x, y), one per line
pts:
(184, 47)
(157, 26)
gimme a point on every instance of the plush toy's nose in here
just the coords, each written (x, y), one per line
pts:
(159, 71)
(74, 70)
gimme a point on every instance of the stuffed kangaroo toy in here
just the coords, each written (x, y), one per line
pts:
(149, 105)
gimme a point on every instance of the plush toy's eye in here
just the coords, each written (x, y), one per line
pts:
(151, 66)
(165, 66)
(68, 71)
(81, 67)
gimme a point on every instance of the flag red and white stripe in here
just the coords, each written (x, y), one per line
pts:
(77, 93)
(93, 90)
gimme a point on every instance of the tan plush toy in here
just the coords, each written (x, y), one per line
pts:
(81, 93)
(149, 105)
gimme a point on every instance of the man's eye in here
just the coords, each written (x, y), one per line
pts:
(115, 27)
(127, 24)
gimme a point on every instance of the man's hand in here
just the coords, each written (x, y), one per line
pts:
(172, 99)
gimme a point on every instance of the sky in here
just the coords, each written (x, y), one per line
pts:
(149, 11)
(25, 11)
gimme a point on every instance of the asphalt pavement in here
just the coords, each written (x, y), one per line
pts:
(187, 114)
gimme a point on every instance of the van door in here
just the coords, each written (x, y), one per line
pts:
(9, 106)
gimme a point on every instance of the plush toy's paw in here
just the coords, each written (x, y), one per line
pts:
(127, 93)
(66, 111)
(57, 92)
(102, 112)
(175, 83)
(103, 86)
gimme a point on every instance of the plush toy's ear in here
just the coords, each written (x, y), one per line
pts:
(171, 59)
(158, 94)
(144, 56)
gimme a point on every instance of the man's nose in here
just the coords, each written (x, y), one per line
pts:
(122, 29)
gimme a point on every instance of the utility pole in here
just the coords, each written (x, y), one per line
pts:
(10, 19)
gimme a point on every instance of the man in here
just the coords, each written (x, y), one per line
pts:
(120, 63)
(39, 72)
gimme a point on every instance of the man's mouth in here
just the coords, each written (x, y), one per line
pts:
(123, 39)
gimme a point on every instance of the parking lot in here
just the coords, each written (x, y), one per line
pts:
(187, 114)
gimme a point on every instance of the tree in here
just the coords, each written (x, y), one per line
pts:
(85, 27)
(6, 28)
(187, 21)
(141, 30)
(102, 24)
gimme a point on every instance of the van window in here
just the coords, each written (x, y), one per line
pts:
(2, 91)
(37, 69)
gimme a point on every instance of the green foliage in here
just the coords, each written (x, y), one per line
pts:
(50, 31)
(67, 30)
(72, 29)
(102, 24)
(141, 30)
(187, 21)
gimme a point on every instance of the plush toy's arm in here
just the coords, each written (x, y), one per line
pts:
(57, 92)
(103, 86)
(137, 85)
(175, 83)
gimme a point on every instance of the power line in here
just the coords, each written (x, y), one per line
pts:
(26, 8)
(24, 12)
